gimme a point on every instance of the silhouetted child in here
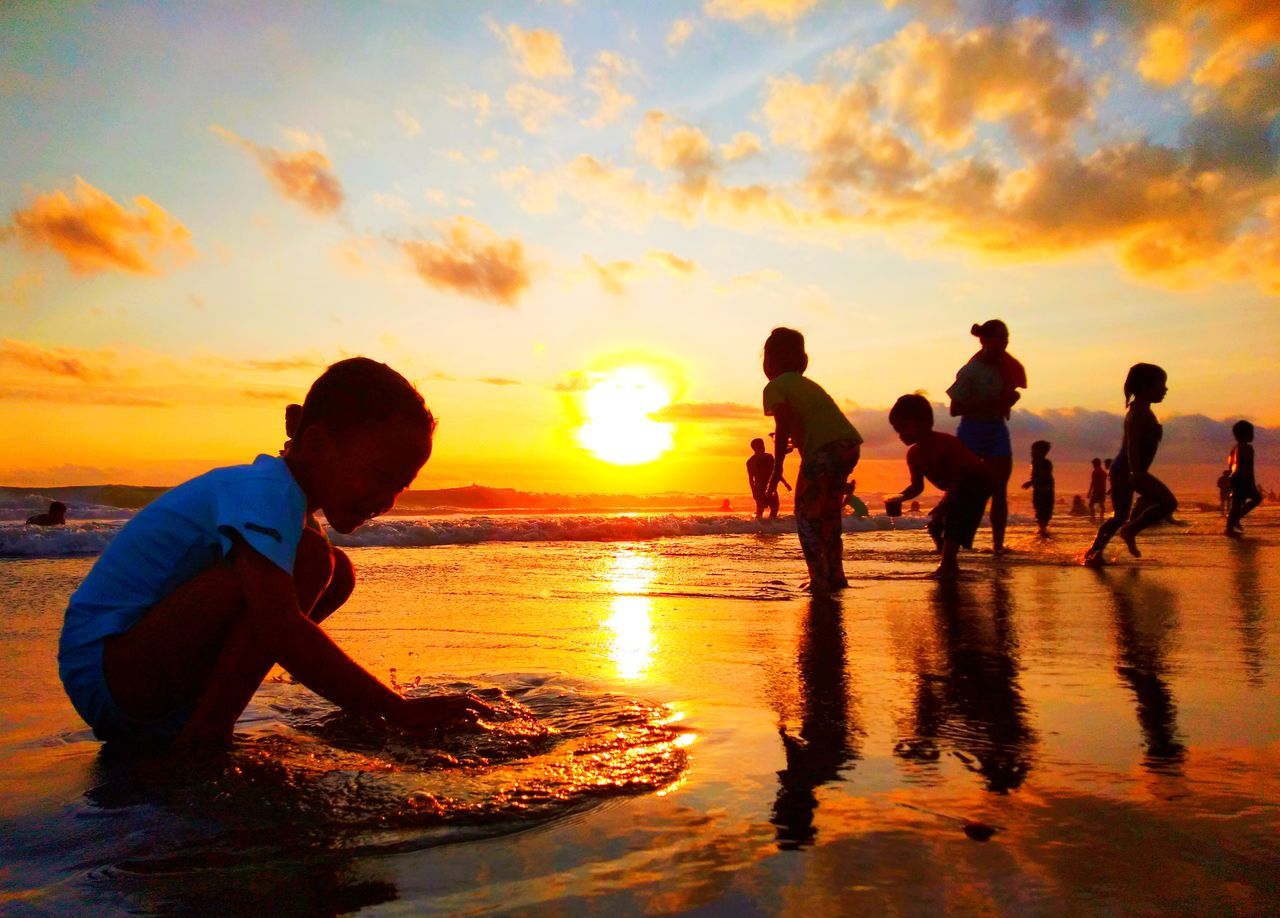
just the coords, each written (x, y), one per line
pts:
(857, 507)
(56, 516)
(1078, 507)
(1146, 384)
(829, 449)
(1097, 489)
(951, 467)
(1224, 491)
(759, 469)
(206, 587)
(1041, 484)
(1244, 487)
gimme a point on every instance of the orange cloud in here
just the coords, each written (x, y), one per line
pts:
(534, 106)
(673, 262)
(604, 80)
(743, 144)
(65, 396)
(679, 33)
(613, 275)
(473, 261)
(60, 361)
(93, 233)
(538, 52)
(305, 177)
(944, 82)
(778, 11)
(676, 147)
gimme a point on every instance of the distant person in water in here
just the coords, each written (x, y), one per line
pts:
(759, 471)
(983, 396)
(857, 508)
(1145, 385)
(1078, 507)
(829, 449)
(950, 466)
(187, 609)
(1041, 484)
(56, 516)
(1097, 490)
(1245, 494)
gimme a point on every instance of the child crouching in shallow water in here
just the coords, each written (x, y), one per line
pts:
(829, 449)
(1146, 384)
(951, 467)
(184, 613)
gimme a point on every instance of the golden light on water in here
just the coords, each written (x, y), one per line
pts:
(631, 631)
(619, 426)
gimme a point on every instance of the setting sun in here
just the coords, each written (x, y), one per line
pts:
(619, 426)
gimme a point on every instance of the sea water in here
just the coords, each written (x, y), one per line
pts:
(684, 729)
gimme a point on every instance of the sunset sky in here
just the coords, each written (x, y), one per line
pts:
(205, 204)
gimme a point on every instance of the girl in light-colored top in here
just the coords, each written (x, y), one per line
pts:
(983, 396)
(829, 449)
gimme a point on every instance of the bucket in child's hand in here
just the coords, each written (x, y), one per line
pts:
(893, 506)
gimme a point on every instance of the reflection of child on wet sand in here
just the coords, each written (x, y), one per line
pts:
(829, 449)
(949, 466)
(759, 469)
(1041, 484)
(1244, 488)
(187, 609)
(1145, 385)
(56, 516)
(1097, 489)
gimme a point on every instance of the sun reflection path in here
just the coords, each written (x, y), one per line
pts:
(631, 643)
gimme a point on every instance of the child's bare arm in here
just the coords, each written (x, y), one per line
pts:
(784, 427)
(311, 656)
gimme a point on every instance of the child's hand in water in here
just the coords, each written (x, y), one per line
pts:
(437, 712)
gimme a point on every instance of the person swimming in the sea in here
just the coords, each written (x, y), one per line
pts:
(55, 516)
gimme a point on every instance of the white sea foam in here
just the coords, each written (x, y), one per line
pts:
(15, 507)
(80, 537)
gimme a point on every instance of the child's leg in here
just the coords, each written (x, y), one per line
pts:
(950, 565)
(242, 665)
(1121, 504)
(1158, 502)
(166, 659)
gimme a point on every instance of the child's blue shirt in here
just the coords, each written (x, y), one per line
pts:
(180, 534)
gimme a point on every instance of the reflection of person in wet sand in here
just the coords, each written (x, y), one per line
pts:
(968, 695)
(759, 468)
(1247, 594)
(827, 741)
(1144, 615)
(56, 516)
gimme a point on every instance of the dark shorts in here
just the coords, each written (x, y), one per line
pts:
(961, 510)
(1245, 489)
(986, 439)
(1043, 502)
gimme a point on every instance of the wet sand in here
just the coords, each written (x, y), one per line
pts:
(718, 740)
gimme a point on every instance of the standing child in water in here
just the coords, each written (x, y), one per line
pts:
(198, 595)
(1041, 484)
(1097, 489)
(829, 449)
(1145, 385)
(1244, 487)
(759, 468)
(952, 468)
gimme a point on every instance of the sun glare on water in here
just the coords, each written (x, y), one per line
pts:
(619, 427)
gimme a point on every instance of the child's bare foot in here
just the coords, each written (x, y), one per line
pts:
(1129, 537)
(1093, 558)
(945, 572)
(1235, 533)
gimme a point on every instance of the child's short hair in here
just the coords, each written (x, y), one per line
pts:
(1041, 446)
(785, 347)
(1140, 376)
(914, 407)
(1242, 430)
(57, 507)
(358, 391)
(757, 443)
